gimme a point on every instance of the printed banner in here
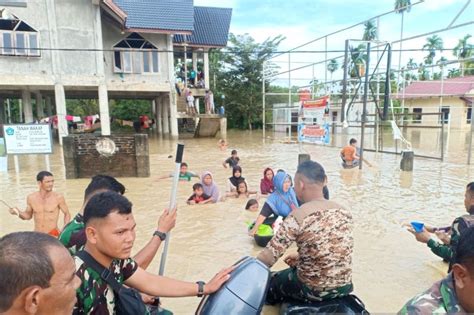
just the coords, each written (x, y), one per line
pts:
(313, 121)
(28, 139)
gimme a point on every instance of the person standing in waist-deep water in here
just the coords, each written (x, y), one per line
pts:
(280, 203)
(44, 206)
(455, 293)
(322, 267)
(233, 160)
(266, 183)
(349, 154)
(37, 275)
(235, 179)
(210, 188)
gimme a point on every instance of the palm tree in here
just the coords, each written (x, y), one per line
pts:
(370, 30)
(463, 50)
(333, 65)
(453, 73)
(433, 44)
(411, 64)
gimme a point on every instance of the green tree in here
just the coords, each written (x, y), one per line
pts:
(432, 44)
(370, 30)
(82, 107)
(463, 50)
(130, 109)
(242, 77)
(453, 73)
(332, 66)
(401, 6)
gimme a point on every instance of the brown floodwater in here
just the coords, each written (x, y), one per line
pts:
(389, 265)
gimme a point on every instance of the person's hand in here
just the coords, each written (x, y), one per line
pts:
(147, 299)
(292, 259)
(444, 237)
(218, 280)
(422, 237)
(14, 211)
(167, 220)
(252, 232)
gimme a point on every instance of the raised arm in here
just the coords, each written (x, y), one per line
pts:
(24, 215)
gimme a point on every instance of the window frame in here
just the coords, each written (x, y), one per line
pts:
(417, 117)
(468, 114)
(135, 54)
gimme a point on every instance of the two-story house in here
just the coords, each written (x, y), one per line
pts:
(102, 49)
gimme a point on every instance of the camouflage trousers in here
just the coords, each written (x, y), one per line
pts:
(285, 286)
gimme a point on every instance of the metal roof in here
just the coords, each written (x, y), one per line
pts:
(211, 27)
(168, 15)
(449, 87)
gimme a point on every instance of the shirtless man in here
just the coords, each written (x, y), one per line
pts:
(44, 205)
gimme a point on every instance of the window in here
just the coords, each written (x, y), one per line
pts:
(469, 115)
(445, 114)
(134, 54)
(16, 37)
(417, 117)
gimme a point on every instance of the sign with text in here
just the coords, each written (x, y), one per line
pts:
(313, 125)
(28, 139)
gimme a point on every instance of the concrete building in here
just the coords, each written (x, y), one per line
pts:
(453, 97)
(52, 50)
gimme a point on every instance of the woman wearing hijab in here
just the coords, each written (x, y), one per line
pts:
(266, 183)
(235, 179)
(280, 203)
(209, 187)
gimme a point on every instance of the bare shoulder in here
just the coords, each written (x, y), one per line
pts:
(33, 196)
(58, 195)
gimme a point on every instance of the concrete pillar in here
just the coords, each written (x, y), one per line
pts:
(159, 125)
(104, 110)
(223, 127)
(49, 109)
(142, 155)
(196, 104)
(165, 115)
(206, 70)
(2, 111)
(173, 114)
(195, 61)
(60, 97)
(39, 105)
(27, 107)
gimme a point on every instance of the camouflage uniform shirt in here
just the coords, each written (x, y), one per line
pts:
(73, 236)
(322, 231)
(439, 299)
(447, 251)
(95, 296)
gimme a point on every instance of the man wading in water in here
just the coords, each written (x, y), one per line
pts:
(322, 230)
(44, 206)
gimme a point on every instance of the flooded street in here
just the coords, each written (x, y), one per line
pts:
(389, 265)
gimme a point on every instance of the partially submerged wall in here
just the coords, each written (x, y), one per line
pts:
(117, 155)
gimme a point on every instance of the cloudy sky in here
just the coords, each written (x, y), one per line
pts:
(301, 21)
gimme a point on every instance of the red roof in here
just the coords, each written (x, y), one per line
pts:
(449, 87)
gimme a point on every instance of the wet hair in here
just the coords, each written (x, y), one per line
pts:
(41, 175)
(184, 164)
(104, 203)
(470, 191)
(250, 203)
(326, 192)
(197, 186)
(242, 182)
(464, 253)
(352, 141)
(24, 262)
(313, 171)
(103, 182)
(233, 152)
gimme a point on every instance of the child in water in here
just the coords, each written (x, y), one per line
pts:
(198, 197)
(233, 160)
(242, 191)
(252, 205)
(222, 144)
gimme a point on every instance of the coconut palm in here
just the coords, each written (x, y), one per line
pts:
(370, 30)
(333, 65)
(463, 50)
(411, 64)
(433, 44)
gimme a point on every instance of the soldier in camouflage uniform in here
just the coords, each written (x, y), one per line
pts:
(455, 293)
(446, 249)
(322, 230)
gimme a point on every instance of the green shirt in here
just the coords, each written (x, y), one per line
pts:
(73, 236)
(94, 295)
(439, 299)
(446, 251)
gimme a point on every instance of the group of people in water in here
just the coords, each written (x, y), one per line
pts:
(88, 269)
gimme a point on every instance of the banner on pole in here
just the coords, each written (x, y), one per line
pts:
(313, 121)
(28, 139)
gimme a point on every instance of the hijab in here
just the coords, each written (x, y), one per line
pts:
(282, 202)
(266, 185)
(236, 180)
(210, 190)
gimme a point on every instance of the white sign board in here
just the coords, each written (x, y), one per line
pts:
(28, 139)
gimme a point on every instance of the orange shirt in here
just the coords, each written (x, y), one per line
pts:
(348, 153)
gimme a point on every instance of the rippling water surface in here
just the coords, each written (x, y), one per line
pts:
(389, 265)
